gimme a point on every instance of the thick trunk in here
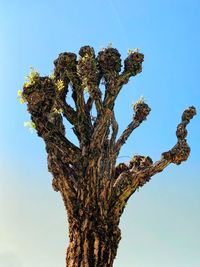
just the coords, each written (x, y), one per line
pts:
(94, 232)
(93, 245)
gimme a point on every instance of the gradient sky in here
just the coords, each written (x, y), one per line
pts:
(161, 224)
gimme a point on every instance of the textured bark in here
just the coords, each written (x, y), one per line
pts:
(94, 189)
(93, 244)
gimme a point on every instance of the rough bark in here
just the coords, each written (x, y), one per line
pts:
(93, 242)
(94, 189)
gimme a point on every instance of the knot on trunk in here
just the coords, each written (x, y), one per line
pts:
(40, 96)
(142, 110)
(179, 153)
(109, 60)
(122, 167)
(140, 162)
(87, 69)
(133, 63)
(66, 62)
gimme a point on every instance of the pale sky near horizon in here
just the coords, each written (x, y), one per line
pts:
(161, 224)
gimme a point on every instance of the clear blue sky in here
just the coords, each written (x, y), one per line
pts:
(161, 224)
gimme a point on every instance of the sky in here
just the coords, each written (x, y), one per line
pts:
(161, 224)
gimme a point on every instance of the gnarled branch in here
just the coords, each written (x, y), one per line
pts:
(66, 65)
(89, 75)
(40, 96)
(141, 112)
(141, 169)
(132, 66)
(115, 127)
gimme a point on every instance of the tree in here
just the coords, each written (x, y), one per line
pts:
(94, 189)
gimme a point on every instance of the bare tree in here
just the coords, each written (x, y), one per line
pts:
(94, 189)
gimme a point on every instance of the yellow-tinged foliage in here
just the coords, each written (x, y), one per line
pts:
(31, 78)
(22, 101)
(19, 92)
(52, 76)
(59, 111)
(139, 101)
(30, 125)
(130, 51)
(59, 85)
(20, 97)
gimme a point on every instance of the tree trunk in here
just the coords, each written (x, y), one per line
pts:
(95, 190)
(94, 244)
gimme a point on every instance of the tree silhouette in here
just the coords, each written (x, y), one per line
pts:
(94, 189)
